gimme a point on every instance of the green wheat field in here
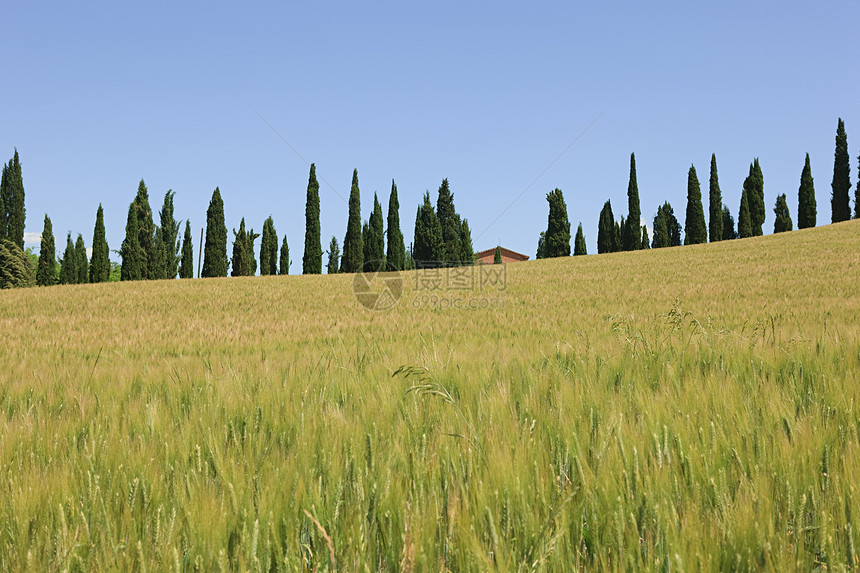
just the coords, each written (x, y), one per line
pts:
(683, 409)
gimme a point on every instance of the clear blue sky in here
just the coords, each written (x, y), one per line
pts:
(486, 94)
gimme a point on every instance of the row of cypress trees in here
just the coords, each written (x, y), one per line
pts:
(441, 238)
(624, 235)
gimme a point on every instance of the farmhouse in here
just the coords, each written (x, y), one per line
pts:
(508, 256)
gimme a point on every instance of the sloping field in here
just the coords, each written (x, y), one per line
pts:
(682, 409)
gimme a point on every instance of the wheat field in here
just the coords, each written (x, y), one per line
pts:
(684, 409)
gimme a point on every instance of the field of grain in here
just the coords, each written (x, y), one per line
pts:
(693, 408)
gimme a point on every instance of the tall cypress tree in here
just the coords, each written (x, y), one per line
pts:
(353, 246)
(744, 218)
(783, 218)
(334, 257)
(754, 184)
(579, 243)
(467, 253)
(83, 264)
(46, 269)
(857, 192)
(395, 257)
(69, 264)
(146, 233)
(4, 216)
(169, 240)
(807, 209)
(284, 259)
(728, 225)
(695, 230)
(269, 249)
(312, 258)
(632, 236)
(428, 247)
(841, 210)
(215, 250)
(100, 265)
(606, 230)
(448, 220)
(558, 226)
(130, 251)
(374, 243)
(13, 213)
(186, 265)
(715, 204)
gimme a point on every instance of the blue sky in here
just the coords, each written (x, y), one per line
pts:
(485, 94)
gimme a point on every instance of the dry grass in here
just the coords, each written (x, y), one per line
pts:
(687, 408)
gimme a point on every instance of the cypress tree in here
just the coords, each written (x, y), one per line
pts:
(715, 204)
(69, 264)
(661, 230)
(783, 218)
(83, 263)
(130, 251)
(807, 209)
(666, 217)
(215, 249)
(244, 264)
(695, 230)
(617, 236)
(13, 214)
(312, 258)
(265, 239)
(728, 225)
(754, 186)
(16, 266)
(497, 256)
(334, 257)
(448, 220)
(395, 257)
(410, 260)
(541, 247)
(744, 218)
(186, 266)
(841, 210)
(365, 242)
(353, 246)
(269, 249)
(374, 244)
(467, 253)
(284, 261)
(428, 248)
(579, 242)
(645, 241)
(3, 214)
(100, 266)
(605, 229)
(632, 237)
(857, 192)
(557, 238)
(169, 241)
(146, 234)
(46, 270)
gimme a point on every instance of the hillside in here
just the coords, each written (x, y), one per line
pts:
(694, 407)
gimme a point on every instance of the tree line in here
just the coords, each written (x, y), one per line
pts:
(441, 236)
(626, 234)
